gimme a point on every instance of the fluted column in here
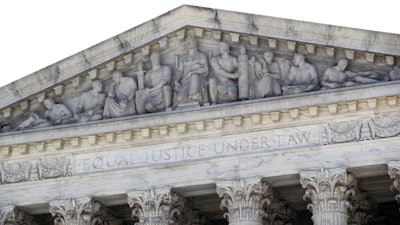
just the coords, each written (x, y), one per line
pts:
(155, 207)
(245, 200)
(10, 215)
(329, 192)
(394, 173)
(75, 211)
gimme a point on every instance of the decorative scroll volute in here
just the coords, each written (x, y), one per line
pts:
(154, 207)
(74, 211)
(329, 193)
(394, 173)
(244, 200)
(10, 215)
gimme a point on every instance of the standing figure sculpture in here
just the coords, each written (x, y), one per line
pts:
(268, 80)
(157, 93)
(223, 87)
(190, 80)
(338, 76)
(302, 77)
(91, 104)
(120, 99)
(56, 113)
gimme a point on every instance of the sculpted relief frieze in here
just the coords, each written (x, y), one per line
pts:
(264, 141)
(35, 170)
(197, 72)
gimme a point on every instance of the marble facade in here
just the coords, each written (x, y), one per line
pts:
(205, 116)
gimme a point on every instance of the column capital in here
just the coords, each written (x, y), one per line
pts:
(328, 191)
(12, 215)
(74, 211)
(155, 206)
(394, 173)
(245, 200)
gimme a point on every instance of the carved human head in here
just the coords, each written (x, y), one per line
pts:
(116, 75)
(155, 58)
(191, 44)
(223, 47)
(342, 64)
(97, 86)
(48, 103)
(268, 56)
(298, 59)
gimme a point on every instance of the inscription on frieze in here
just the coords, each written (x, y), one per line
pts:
(177, 152)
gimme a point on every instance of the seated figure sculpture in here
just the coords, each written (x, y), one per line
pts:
(223, 87)
(157, 94)
(338, 76)
(302, 77)
(267, 81)
(91, 104)
(191, 74)
(120, 98)
(394, 73)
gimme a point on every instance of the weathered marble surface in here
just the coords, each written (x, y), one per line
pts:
(263, 136)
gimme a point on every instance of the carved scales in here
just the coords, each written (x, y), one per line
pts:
(245, 200)
(328, 192)
(154, 207)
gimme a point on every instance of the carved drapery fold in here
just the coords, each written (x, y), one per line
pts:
(245, 200)
(328, 191)
(155, 207)
(75, 211)
(394, 173)
(10, 215)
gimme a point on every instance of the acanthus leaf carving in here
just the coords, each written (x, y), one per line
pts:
(74, 211)
(329, 192)
(394, 173)
(155, 207)
(10, 215)
(244, 199)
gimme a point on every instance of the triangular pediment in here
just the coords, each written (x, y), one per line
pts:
(197, 98)
(68, 81)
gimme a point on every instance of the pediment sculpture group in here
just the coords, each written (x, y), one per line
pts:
(199, 80)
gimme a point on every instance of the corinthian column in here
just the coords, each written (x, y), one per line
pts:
(11, 215)
(329, 192)
(245, 200)
(155, 207)
(394, 173)
(75, 211)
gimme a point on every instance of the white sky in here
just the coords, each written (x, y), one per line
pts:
(38, 33)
